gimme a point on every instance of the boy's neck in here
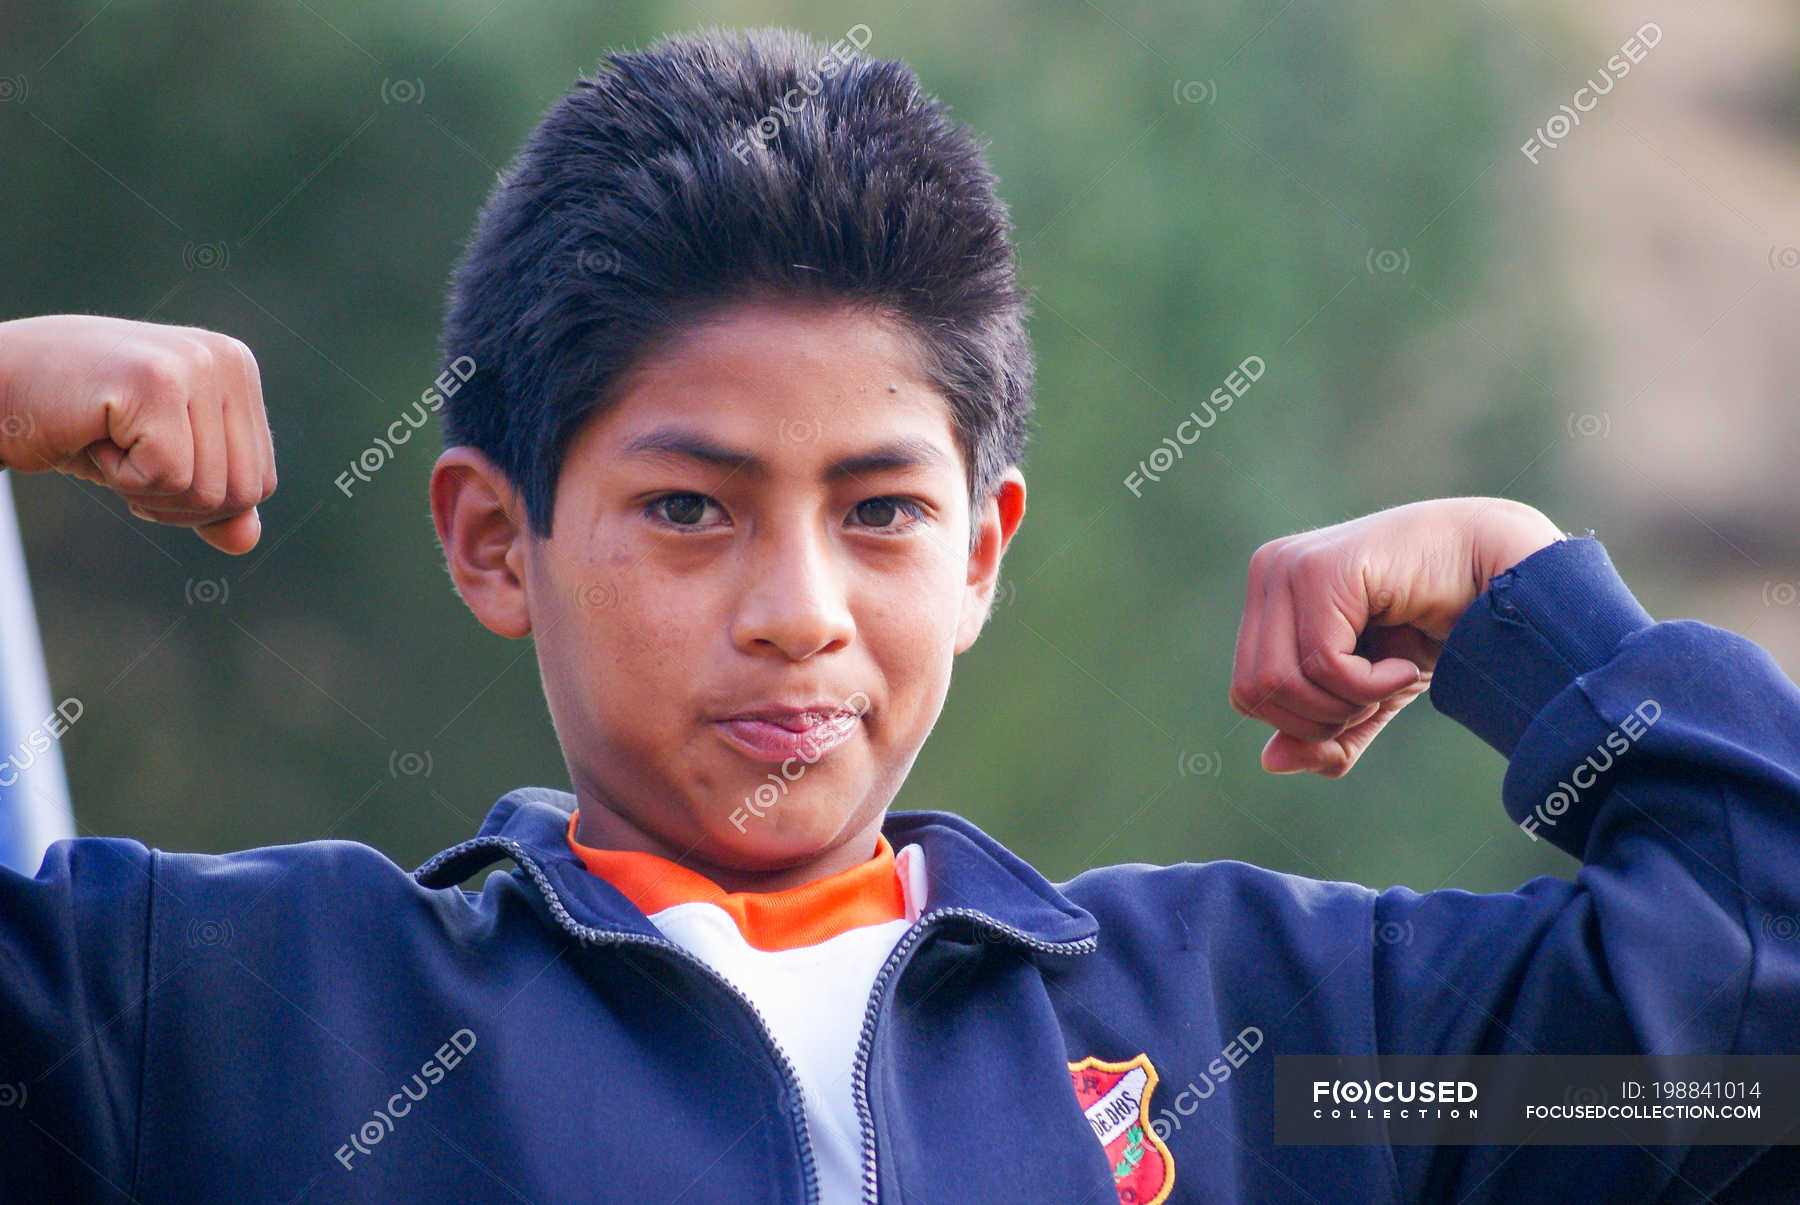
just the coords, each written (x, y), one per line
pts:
(599, 828)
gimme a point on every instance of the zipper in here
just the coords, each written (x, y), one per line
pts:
(587, 933)
(859, 1076)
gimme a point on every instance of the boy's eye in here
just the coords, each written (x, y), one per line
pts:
(878, 513)
(681, 510)
(684, 510)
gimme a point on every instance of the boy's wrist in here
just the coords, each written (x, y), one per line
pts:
(1508, 539)
(1545, 620)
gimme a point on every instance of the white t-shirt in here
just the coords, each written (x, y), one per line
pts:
(813, 998)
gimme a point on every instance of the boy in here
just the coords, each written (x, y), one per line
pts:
(740, 453)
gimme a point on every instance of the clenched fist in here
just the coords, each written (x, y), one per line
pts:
(1342, 625)
(168, 417)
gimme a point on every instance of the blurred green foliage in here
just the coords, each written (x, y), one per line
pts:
(1333, 188)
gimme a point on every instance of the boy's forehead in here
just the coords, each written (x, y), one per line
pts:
(795, 382)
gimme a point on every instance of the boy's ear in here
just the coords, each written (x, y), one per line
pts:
(995, 521)
(482, 526)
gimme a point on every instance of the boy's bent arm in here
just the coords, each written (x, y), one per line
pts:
(1666, 756)
(170, 418)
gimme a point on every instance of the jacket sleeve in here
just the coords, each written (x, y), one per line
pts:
(1666, 757)
(73, 953)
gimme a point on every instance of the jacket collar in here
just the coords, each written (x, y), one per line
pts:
(968, 874)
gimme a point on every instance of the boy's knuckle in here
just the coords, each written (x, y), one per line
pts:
(199, 351)
(242, 495)
(158, 374)
(206, 495)
(236, 353)
(165, 474)
(1309, 560)
(1267, 683)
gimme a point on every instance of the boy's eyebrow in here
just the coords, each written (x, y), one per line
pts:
(671, 442)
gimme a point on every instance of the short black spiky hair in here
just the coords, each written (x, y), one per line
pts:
(712, 168)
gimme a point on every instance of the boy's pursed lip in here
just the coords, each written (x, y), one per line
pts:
(777, 734)
(796, 717)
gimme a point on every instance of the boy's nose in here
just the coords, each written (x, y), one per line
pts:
(794, 597)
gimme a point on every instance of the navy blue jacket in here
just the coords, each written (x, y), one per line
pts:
(313, 1023)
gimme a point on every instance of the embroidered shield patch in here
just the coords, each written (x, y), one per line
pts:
(1115, 1098)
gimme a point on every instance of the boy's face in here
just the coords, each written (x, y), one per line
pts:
(680, 592)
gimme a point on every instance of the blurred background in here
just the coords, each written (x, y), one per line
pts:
(1455, 289)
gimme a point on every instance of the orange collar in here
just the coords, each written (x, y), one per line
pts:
(865, 894)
